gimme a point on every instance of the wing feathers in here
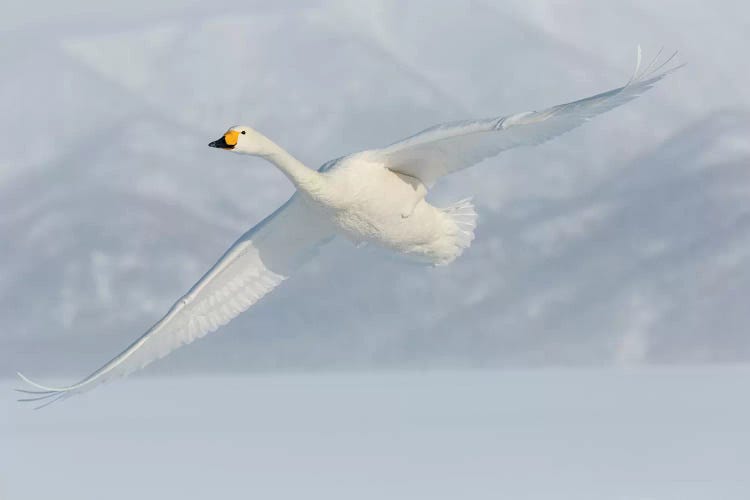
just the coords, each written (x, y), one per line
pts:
(257, 263)
(446, 148)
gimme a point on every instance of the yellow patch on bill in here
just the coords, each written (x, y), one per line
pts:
(231, 137)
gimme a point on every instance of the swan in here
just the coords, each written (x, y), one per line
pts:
(375, 196)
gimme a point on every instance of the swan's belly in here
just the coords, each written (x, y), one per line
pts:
(373, 212)
(381, 224)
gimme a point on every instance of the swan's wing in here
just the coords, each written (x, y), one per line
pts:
(449, 147)
(258, 262)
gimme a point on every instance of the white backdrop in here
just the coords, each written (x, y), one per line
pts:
(626, 241)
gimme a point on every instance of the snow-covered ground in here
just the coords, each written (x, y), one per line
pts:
(642, 434)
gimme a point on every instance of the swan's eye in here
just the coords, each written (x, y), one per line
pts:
(243, 132)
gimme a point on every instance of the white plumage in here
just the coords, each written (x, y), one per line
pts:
(375, 196)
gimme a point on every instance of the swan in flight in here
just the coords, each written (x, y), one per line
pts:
(375, 196)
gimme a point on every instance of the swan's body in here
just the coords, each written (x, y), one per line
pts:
(375, 196)
(368, 203)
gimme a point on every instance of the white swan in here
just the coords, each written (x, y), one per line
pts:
(374, 196)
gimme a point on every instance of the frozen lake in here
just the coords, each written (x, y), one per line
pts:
(645, 434)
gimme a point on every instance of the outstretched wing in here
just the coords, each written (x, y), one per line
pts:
(446, 148)
(258, 262)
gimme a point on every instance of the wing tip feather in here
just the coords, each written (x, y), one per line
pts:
(36, 384)
(40, 393)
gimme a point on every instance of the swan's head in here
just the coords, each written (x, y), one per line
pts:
(241, 139)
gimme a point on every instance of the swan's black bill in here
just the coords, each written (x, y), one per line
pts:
(221, 143)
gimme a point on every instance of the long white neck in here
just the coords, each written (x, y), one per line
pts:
(303, 177)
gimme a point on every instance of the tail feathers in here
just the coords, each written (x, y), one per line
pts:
(463, 214)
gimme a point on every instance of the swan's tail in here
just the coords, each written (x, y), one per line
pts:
(464, 217)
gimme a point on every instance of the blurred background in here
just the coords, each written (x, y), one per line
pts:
(603, 259)
(626, 241)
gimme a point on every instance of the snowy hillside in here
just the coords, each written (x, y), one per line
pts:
(625, 241)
